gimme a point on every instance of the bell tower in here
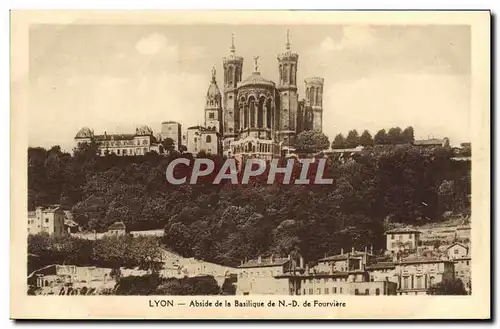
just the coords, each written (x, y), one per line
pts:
(314, 102)
(213, 106)
(233, 69)
(288, 101)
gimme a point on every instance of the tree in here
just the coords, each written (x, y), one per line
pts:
(448, 287)
(366, 139)
(338, 142)
(168, 144)
(380, 137)
(312, 141)
(408, 135)
(394, 136)
(352, 139)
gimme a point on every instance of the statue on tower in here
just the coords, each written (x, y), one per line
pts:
(256, 64)
(213, 73)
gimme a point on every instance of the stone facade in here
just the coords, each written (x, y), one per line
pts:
(172, 130)
(47, 220)
(261, 118)
(139, 143)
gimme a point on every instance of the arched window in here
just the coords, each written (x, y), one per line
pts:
(208, 139)
(144, 142)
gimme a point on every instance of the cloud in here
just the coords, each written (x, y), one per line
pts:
(154, 44)
(388, 100)
(352, 37)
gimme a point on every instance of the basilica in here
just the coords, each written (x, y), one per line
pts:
(251, 118)
(256, 117)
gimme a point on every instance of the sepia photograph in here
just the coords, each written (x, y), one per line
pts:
(311, 159)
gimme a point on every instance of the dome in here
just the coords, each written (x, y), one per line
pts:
(256, 79)
(85, 132)
(144, 131)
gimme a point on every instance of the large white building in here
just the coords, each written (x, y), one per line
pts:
(47, 220)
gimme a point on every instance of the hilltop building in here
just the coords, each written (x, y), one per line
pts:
(261, 118)
(139, 143)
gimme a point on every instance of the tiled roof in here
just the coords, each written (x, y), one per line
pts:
(51, 209)
(116, 137)
(264, 262)
(457, 243)
(433, 141)
(381, 265)
(403, 230)
(342, 256)
(412, 260)
(117, 226)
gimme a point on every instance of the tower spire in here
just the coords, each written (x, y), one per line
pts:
(288, 39)
(233, 48)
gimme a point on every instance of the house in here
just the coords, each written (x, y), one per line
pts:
(416, 274)
(433, 142)
(116, 229)
(54, 279)
(460, 254)
(342, 274)
(48, 220)
(261, 276)
(457, 250)
(402, 239)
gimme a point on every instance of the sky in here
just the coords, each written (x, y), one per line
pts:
(115, 78)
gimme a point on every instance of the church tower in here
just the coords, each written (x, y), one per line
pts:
(233, 69)
(288, 100)
(314, 103)
(213, 106)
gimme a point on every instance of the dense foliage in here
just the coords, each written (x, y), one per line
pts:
(394, 136)
(225, 223)
(155, 285)
(111, 252)
(448, 287)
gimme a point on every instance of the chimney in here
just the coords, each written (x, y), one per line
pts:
(289, 257)
(353, 250)
(341, 251)
(371, 249)
(366, 249)
(301, 259)
(259, 259)
(242, 262)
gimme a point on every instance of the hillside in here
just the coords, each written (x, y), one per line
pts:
(226, 223)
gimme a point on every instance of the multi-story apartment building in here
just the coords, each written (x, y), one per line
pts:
(262, 276)
(403, 239)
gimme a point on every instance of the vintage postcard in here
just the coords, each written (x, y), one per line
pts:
(250, 165)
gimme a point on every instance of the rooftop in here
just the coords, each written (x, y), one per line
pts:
(264, 262)
(381, 265)
(432, 141)
(403, 230)
(343, 256)
(117, 226)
